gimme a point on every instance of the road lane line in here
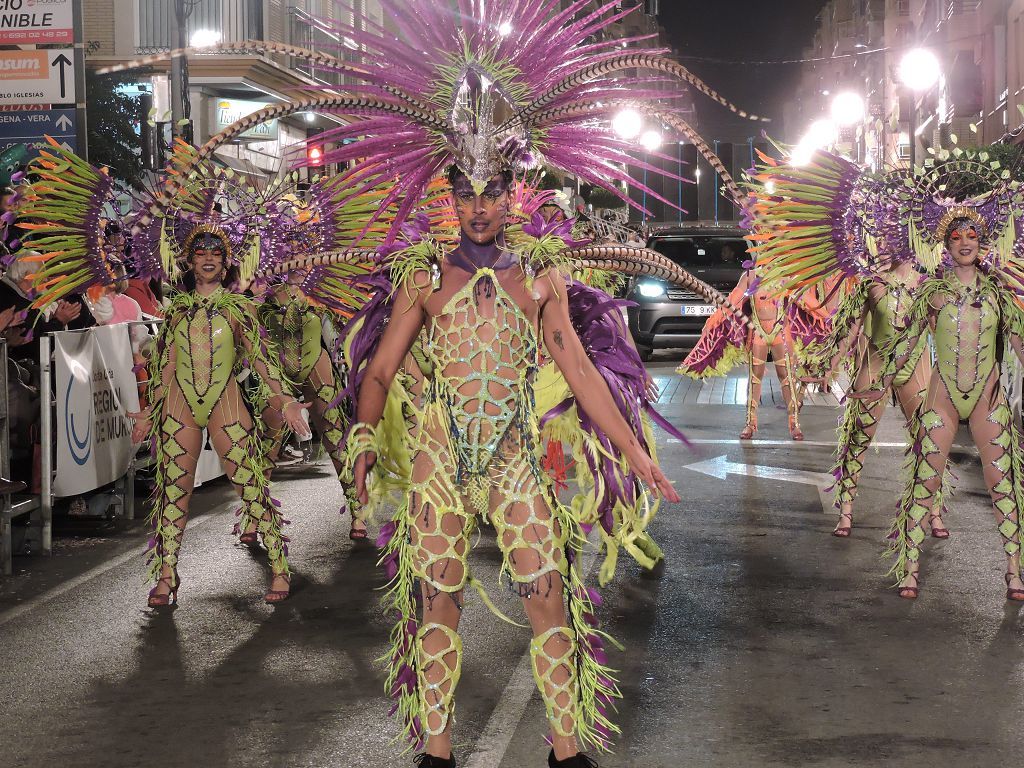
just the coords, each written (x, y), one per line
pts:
(497, 735)
(65, 587)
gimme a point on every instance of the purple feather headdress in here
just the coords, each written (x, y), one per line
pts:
(484, 85)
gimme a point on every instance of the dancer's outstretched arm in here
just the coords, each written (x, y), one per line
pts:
(588, 386)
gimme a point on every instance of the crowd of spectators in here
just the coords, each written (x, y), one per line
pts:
(22, 325)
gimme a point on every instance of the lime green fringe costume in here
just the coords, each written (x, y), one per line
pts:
(473, 449)
(296, 329)
(970, 329)
(213, 338)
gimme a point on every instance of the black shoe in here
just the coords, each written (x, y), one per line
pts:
(579, 760)
(429, 761)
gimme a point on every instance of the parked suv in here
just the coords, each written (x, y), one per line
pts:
(667, 315)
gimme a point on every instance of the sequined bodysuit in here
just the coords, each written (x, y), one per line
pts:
(204, 345)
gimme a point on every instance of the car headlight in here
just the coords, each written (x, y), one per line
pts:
(651, 290)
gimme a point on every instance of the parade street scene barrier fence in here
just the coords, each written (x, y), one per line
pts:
(94, 388)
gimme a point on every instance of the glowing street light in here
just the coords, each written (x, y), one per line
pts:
(505, 28)
(820, 135)
(847, 109)
(651, 140)
(628, 124)
(919, 69)
(204, 38)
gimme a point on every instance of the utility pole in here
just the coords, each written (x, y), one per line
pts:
(181, 108)
(78, 20)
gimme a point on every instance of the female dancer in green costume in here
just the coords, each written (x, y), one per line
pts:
(867, 322)
(296, 328)
(207, 332)
(971, 315)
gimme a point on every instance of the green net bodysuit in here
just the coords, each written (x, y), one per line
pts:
(971, 324)
(200, 351)
(475, 450)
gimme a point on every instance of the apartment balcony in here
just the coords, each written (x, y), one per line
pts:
(232, 19)
(957, 8)
(286, 21)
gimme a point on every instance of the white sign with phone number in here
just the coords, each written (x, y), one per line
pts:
(34, 22)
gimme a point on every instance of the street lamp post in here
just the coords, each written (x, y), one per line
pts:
(181, 108)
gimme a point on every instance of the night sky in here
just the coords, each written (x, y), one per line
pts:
(741, 30)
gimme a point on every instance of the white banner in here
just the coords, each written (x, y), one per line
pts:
(95, 387)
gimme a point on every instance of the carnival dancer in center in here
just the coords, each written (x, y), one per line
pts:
(485, 318)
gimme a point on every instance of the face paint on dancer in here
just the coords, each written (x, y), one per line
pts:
(963, 243)
(482, 217)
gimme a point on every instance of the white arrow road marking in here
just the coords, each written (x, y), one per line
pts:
(721, 468)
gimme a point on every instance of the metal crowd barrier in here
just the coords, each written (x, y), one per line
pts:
(21, 504)
(124, 486)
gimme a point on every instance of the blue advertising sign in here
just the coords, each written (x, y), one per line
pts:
(32, 126)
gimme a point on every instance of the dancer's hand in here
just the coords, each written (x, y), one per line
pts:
(292, 413)
(652, 391)
(364, 463)
(141, 426)
(648, 471)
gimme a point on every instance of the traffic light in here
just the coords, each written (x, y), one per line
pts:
(314, 154)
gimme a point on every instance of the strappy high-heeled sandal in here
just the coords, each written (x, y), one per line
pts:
(910, 592)
(424, 760)
(357, 534)
(840, 531)
(1013, 595)
(794, 429)
(579, 760)
(275, 596)
(170, 598)
(937, 533)
(748, 430)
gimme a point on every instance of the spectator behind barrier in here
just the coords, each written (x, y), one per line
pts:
(145, 293)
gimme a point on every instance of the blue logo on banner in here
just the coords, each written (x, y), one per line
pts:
(80, 449)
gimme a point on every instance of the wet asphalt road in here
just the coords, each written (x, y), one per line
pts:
(764, 642)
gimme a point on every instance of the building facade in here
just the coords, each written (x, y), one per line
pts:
(224, 87)
(859, 46)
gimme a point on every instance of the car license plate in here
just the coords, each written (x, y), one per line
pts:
(698, 310)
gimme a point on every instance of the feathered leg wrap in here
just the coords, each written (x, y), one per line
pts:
(1007, 493)
(168, 515)
(246, 464)
(753, 389)
(854, 441)
(907, 532)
